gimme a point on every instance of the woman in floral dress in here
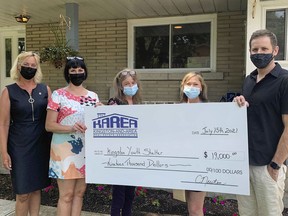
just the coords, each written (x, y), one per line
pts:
(65, 118)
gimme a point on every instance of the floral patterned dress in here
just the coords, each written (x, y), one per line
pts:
(67, 156)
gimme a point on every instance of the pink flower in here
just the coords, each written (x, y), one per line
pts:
(140, 191)
(100, 187)
(47, 189)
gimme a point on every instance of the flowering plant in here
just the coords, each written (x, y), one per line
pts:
(219, 200)
(140, 191)
(100, 187)
(58, 52)
(49, 188)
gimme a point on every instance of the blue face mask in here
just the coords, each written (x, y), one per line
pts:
(130, 91)
(191, 92)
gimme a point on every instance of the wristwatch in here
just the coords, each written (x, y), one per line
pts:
(274, 165)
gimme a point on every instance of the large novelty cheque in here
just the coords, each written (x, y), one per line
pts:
(201, 146)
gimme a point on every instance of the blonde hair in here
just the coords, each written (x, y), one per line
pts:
(203, 94)
(14, 72)
(117, 84)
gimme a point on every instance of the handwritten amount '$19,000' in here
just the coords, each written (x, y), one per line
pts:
(232, 156)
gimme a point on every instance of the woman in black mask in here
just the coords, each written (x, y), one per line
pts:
(25, 144)
(65, 118)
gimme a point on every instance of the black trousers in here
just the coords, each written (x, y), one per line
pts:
(122, 199)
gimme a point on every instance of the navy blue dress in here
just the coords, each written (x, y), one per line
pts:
(28, 141)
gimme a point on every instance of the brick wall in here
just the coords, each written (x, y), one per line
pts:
(103, 44)
(231, 51)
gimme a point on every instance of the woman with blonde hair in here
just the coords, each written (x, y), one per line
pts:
(24, 142)
(193, 89)
(199, 83)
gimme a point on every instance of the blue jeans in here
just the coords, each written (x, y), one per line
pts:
(122, 199)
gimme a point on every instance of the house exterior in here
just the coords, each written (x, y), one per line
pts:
(109, 45)
(109, 34)
(105, 49)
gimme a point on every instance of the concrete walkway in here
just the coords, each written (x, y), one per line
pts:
(7, 208)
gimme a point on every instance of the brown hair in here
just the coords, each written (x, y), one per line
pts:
(263, 33)
(117, 84)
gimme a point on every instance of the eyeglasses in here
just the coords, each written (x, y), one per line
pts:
(69, 58)
(126, 72)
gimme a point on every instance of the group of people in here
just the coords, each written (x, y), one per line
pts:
(42, 133)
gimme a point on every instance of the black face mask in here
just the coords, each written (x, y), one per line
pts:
(261, 60)
(28, 72)
(77, 79)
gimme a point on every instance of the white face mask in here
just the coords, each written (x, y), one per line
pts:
(191, 92)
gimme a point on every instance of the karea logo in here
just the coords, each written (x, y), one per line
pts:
(115, 125)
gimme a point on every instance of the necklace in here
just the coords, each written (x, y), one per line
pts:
(31, 100)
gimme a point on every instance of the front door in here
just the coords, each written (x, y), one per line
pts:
(12, 42)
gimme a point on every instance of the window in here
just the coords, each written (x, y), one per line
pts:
(8, 55)
(9, 52)
(275, 22)
(151, 48)
(173, 43)
(21, 45)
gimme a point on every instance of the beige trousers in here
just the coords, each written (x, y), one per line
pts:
(266, 195)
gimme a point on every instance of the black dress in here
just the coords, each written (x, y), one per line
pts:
(28, 141)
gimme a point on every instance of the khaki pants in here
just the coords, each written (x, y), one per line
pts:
(266, 195)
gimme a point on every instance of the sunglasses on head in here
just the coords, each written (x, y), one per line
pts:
(69, 58)
(33, 53)
(126, 72)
